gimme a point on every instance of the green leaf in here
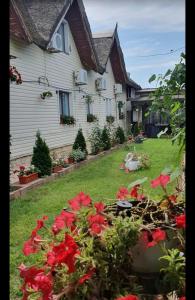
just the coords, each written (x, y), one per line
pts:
(166, 170)
(175, 174)
(139, 181)
(167, 73)
(152, 78)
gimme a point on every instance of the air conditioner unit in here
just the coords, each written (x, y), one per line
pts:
(80, 77)
(100, 84)
(57, 42)
(118, 88)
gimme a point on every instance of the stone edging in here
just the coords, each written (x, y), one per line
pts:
(31, 185)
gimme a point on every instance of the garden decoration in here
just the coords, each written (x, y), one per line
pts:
(27, 175)
(46, 95)
(14, 75)
(88, 252)
(135, 161)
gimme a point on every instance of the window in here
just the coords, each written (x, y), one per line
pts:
(64, 103)
(89, 108)
(108, 107)
(64, 32)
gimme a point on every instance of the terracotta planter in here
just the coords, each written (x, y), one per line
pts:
(70, 160)
(146, 260)
(28, 178)
(57, 169)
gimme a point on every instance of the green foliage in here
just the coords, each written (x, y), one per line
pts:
(46, 94)
(41, 157)
(80, 142)
(174, 272)
(120, 135)
(106, 139)
(77, 155)
(91, 118)
(165, 100)
(95, 139)
(68, 120)
(110, 119)
(136, 129)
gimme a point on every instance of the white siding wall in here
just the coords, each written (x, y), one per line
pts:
(28, 112)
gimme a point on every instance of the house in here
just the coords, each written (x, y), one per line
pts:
(53, 48)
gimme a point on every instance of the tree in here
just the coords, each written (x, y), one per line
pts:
(120, 135)
(80, 142)
(41, 157)
(166, 99)
(106, 139)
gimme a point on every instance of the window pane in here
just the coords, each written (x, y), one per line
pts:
(64, 104)
(61, 32)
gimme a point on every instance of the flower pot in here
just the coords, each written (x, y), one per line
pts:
(70, 160)
(57, 169)
(146, 260)
(28, 178)
(132, 165)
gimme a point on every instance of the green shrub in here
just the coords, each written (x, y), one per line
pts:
(77, 155)
(80, 142)
(106, 139)
(41, 157)
(136, 129)
(95, 139)
(120, 135)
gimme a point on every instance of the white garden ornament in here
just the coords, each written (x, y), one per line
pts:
(132, 162)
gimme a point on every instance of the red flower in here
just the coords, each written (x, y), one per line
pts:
(36, 279)
(129, 297)
(80, 200)
(32, 245)
(181, 221)
(152, 239)
(161, 180)
(172, 198)
(64, 253)
(22, 168)
(87, 276)
(122, 193)
(182, 298)
(134, 191)
(97, 223)
(64, 219)
(99, 206)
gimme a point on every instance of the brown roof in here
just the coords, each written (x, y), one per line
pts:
(108, 45)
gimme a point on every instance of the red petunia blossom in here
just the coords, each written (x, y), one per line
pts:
(87, 276)
(161, 180)
(122, 193)
(65, 252)
(172, 198)
(99, 206)
(65, 218)
(181, 221)
(134, 191)
(38, 281)
(22, 168)
(80, 200)
(129, 297)
(182, 298)
(151, 239)
(32, 245)
(97, 223)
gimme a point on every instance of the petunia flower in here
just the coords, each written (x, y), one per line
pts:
(128, 297)
(122, 193)
(99, 206)
(181, 221)
(161, 180)
(87, 276)
(80, 200)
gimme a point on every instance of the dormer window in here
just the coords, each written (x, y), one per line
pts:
(62, 38)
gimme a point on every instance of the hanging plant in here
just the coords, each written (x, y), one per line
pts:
(68, 120)
(120, 104)
(91, 118)
(46, 95)
(88, 99)
(14, 75)
(110, 119)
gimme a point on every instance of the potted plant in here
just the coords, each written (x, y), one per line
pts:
(57, 165)
(68, 120)
(110, 119)
(46, 94)
(91, 118)
(14, 75)
(27, 175)
(76, 156)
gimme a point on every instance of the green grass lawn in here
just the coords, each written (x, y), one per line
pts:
(100, 179)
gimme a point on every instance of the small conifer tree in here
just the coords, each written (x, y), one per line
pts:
(106, 139)
(79, 142)
(120, 135)
(41, 157)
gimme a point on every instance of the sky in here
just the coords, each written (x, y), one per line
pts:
(146, 28)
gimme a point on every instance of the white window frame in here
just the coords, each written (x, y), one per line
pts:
(65, 36)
